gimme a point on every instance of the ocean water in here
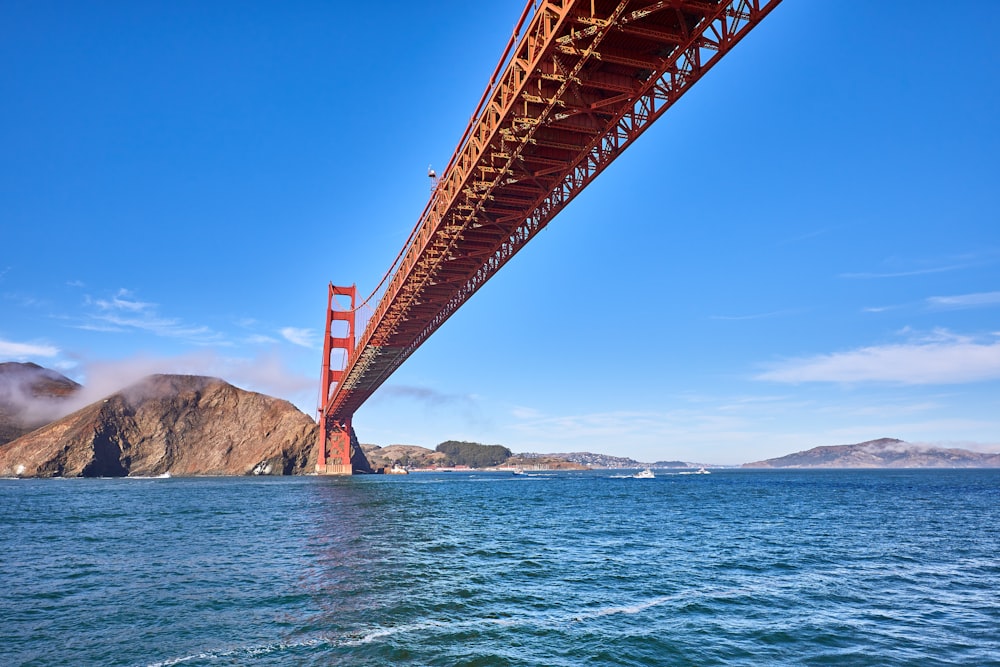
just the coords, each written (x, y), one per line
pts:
(733, 568)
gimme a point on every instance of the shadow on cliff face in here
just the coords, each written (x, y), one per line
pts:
(181, 424)
(359, 461)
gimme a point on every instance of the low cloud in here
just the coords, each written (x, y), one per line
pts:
(937, 358)
(981, 447)
(22, 351)
(266, 374)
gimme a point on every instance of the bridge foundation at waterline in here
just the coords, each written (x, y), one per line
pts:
(333, 455)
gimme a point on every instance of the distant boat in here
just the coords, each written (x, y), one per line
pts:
(518, 471)
(165, 475)
(702, 471)
(645, 474)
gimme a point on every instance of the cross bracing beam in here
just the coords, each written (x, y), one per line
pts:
(586, 79)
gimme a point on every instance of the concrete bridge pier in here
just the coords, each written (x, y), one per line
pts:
(335, 440)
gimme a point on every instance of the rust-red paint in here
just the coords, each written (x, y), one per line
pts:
(586, 78)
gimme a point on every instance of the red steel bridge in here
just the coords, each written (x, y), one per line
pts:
(578, 82)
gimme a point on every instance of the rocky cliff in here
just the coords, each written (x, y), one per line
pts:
(30, 396)
(881, 453)
(181, 424)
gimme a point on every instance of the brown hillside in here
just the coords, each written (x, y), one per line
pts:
(406, 455)
(181, 424)
(30, 396)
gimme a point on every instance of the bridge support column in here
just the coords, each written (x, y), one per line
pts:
(335, 439)
(333, 455)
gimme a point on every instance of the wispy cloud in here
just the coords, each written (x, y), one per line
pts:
(124, 313)
(862, 275)
(260, 339)
(896, 267)
(954, 302)
(879, 309)
(961, 301)
(23, 300)
(939, 357)
(15, 350)
(123, 301)
(303, 337)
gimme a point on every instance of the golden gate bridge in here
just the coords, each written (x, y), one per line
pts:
(578, 82)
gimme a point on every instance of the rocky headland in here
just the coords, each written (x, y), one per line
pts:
(176, 424)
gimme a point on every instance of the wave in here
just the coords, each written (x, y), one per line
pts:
(376, 634)
(242, 652)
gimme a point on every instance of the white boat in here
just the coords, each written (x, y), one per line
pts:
(702, 471)
(645, 474)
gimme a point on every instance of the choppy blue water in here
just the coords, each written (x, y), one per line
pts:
(732, 568)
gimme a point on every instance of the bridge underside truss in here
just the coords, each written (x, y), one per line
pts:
(585, 80)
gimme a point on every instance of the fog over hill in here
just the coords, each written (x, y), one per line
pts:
(200, 425)
(177, 424)
(31, 396)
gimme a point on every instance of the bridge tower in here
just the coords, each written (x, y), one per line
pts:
(334, 450)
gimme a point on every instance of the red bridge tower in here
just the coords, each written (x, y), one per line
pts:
(335, 433)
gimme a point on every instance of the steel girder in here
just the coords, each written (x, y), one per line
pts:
(585, 80)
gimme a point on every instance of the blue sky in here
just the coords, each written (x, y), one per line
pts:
(804, 251)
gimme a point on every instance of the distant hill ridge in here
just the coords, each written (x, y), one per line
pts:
(195, 425)
(613, 462)
(421, 457)
(882, 453)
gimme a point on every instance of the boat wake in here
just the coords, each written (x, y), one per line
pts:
(241, 654)
(376, 634)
